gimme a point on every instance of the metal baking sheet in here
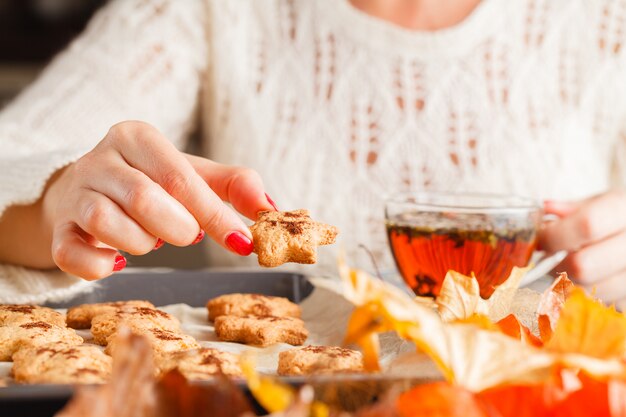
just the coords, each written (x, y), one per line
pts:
(161, 288)
(192, 287)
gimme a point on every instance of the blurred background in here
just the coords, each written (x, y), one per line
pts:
(31, 33)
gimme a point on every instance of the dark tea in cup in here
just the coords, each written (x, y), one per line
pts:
(483, 235)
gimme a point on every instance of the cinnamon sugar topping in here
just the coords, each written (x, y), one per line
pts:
(36, 324)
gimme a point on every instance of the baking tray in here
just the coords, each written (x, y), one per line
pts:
(161, 288)
(191, 287)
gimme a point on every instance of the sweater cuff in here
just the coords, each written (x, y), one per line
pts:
(20, 285)
(23, 178)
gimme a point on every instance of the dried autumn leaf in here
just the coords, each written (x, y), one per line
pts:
(477, 359)
(302, 406)
(480, 321)
(465, 354)
(365, 320)
(271, 394)
(460, 297)
(379, 307)
(516, 401)
(510, 326)
(426, 302)
(130, 393)
(551, 303)
(364, 325)
(617, 398)
(587, 327)
(370, 347)
(590, 399)
(176, 396)
(439, 399)
(279, 398)
(499, 304)
(564, 394)
(587, 397)
(360, 288)
(363, 328)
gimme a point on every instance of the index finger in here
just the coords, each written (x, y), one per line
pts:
(242, 187)
(147, 150)
(595, 219)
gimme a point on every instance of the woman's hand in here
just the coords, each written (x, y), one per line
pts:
(133, 191)
(593, 231)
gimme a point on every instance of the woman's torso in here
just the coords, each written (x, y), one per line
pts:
(337, 110)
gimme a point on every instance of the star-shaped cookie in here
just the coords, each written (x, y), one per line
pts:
(289, 236)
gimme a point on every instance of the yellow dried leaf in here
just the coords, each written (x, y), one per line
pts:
(480, 321)
(550, 305)
(271, 394)
(499, 304)
(477, 359)
(467, 355)
(277, 397)
(588, 337)
(370, 346)
(460, 297)
(426, 302)
(588, 327)
(363, 327)
(511, 327)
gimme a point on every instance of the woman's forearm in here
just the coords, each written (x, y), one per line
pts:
(23, 238)
(26, 232)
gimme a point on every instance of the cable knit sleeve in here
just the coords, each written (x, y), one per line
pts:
(611, 35)
(620, 154)
(140, 60)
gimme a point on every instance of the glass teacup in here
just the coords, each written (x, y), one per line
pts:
(481, 234)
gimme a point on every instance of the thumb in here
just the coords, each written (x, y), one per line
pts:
(242, 187)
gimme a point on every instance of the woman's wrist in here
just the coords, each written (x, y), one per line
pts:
(26, 230)
(22, 241)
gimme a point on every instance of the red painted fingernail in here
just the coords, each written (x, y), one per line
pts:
(553, 205)
(120, 263)
(239, 243)
(198, 238)
(269, 200)
(160, 242)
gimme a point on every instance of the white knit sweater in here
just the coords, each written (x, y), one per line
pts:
(334, 108)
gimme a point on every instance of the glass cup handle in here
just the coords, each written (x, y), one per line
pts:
(544, 264)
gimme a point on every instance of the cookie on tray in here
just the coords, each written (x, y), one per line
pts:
(203, 363)
(251, 304)
(315, 360)
(261, 330)
(61, 364)
(14, 314)
(289, 236)
(80, 317)
(136, 318)
(37, 333)
(163, 342)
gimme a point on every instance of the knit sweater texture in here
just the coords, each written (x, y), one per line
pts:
(337, 110)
